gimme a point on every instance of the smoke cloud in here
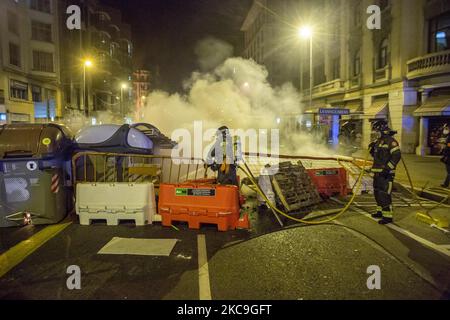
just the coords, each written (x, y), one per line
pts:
(211, 52)
(236, 93)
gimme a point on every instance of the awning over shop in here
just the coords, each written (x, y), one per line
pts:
(378, 110)
(434, 106)
(355, 106)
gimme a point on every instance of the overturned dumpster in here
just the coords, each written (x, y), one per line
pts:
(34, 168)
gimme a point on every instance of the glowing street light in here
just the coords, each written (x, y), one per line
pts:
(306, 32)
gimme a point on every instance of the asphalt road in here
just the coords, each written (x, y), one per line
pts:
(267, 262)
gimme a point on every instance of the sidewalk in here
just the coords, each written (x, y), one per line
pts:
(426, 170)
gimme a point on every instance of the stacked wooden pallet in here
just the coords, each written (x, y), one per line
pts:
(293, 187)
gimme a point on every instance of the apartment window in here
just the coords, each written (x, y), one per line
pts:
(13, 26)
(41, 31)
(356, 64)
(440, 33)
(383, 54)
(14, 54)
(41, 5)
(42, 61)
(36, 93)
(18, 90)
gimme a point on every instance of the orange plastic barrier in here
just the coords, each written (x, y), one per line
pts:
(197, 203)
(329, 181)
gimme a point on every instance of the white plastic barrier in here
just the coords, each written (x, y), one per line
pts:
(116, 201)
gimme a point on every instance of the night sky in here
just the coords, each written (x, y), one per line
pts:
(165, 33)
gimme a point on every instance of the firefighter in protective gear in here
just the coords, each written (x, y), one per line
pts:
(386, 154)
(224, 157)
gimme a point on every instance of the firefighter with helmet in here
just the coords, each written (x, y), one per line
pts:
(386, 154)
(224, 157)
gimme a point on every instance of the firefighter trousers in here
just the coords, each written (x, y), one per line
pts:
(382, 188)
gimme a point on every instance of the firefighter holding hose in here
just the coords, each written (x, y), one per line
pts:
(224, 157)
(386, 154)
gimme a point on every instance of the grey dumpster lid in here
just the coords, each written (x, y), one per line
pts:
(33, 140)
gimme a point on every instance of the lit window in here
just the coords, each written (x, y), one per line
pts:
(439, 34)
(441, 41)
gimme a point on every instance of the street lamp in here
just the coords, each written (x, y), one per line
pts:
(87, 64)
(305, 32)
(123, 86)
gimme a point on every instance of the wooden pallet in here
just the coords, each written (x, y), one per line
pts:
(294, 187)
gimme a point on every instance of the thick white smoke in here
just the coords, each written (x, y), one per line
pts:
(235, 93)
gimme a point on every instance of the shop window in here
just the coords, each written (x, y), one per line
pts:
(18, 90)
(383, 53)
(14, 54)
(42, 61)
(41, 5)
(439, 34)
(41, 31)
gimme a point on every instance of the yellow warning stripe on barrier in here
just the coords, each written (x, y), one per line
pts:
(19, 252)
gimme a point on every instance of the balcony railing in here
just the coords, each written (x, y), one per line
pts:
(327, 88)
(430, 64)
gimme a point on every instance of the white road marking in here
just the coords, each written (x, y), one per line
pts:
(423, 274)
(429, 244)
(203, 270)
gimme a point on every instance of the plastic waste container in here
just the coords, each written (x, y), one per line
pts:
(34, 171)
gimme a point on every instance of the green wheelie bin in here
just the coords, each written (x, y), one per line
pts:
(34, 173)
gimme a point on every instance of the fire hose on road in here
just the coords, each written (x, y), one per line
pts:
(339, 212)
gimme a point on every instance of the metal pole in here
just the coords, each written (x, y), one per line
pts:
(121, 102)
(310, 71)
(85, 95)
(301, 69)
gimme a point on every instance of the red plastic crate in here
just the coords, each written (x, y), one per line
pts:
(198, 203)
(329, 181)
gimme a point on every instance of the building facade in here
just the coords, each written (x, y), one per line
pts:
(400, 72)
(105, 41)
(267, 39)
(141, 89)
(29, 61)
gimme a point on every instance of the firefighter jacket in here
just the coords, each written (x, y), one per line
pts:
(225, 152)
(386, 154)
